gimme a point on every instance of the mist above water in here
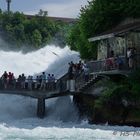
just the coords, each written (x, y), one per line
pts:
(51, 59)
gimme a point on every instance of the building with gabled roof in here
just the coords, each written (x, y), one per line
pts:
(118, 40)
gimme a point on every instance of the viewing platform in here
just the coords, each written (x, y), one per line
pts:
(62, 87)
(65, 86)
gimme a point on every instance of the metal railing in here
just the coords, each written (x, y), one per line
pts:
(61, 84)
(24, 85)
(106, 64)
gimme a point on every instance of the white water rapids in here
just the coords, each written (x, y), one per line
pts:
(49, 59)
(18, 119)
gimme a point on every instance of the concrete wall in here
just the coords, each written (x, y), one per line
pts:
(118, 45)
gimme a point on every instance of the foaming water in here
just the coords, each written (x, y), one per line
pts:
(37, 61)
(18, 119)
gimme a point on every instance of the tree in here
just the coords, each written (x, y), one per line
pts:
(36, 38)
(42, 13)
(97, 17)
(36, 31)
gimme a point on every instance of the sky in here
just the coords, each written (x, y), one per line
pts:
(55, 8)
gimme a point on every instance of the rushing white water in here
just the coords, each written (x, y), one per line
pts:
(49, 59)
(18, 119)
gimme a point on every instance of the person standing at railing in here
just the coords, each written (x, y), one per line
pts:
(4, 79)
(19, 82)
(80, 67)
(71, 80)
(49, 81)
(40, 80)
(23, 79)
(109, 63)
(52, 82)
(119, 62)
(43, 82)
(9, 79)
(37, 83)
(13, 81)
(70, 71)
(30, 82)
(86, 73)
(131, 55)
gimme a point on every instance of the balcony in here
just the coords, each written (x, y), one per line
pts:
(111, 65)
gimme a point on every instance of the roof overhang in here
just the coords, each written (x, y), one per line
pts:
(101, 37)
(119, 31)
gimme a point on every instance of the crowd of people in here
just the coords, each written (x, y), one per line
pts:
(30, 82)
(77, 69)
(117, 62)
(43, 81)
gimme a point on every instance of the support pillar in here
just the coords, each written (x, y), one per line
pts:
(41, 107)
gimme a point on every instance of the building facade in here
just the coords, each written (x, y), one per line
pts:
(117, 41)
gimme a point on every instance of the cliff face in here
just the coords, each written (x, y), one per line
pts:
(114, 114)
(114, 111)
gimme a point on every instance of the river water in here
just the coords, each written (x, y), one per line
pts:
(18, 119)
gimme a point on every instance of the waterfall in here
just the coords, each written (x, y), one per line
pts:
(51, 59)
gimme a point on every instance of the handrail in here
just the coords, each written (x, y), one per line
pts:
(59, 84)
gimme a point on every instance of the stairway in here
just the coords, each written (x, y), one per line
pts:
(91, 82)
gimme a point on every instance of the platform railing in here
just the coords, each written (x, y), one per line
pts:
(61, 84)
(17, 85)
(106, 64)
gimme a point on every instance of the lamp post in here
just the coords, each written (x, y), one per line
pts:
(8, 5)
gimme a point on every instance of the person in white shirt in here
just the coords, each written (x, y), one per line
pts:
(86, 72)
(43, 82)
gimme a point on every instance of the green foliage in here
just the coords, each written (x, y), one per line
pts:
(115, 93)
(60, 37)
(42, 13)
(36, 38)
(134, 81)
(36, 32)
(97, 17)
(134, 77)
(77, 41)
(98, 104)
